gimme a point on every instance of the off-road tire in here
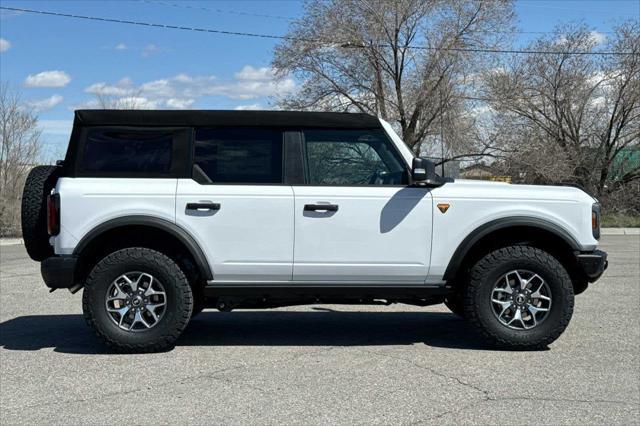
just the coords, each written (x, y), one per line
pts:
(483, 276)
(33, 215)
(163, 335)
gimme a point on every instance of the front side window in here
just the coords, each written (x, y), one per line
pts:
(352, 157)
(123, 151)
(239, 155)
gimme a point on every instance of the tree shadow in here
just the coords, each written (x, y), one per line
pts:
(70, 334)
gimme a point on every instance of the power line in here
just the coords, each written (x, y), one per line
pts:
(291, 19)
(318, 41)
(216, 10)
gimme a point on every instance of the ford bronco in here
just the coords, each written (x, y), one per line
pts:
(158, 215)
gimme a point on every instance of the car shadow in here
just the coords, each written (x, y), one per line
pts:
(319, 327)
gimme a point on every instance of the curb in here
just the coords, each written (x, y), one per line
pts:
(11, 241)
(620, 231)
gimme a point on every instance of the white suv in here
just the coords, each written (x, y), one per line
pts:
(160, 214)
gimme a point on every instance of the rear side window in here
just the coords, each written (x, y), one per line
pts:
(127, 151)
(238, 155)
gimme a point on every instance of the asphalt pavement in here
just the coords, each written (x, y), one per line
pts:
(320, 364)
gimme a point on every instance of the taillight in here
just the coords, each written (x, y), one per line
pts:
(53, 214)
(595, 220)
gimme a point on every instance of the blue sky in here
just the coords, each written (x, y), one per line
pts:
(59, 64)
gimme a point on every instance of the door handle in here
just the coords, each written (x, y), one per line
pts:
(321, 207)
(203, 206)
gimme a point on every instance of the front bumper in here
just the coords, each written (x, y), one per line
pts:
(592, 264)
(58, 271)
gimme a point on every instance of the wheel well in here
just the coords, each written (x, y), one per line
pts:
(533, 236)
(139, 236)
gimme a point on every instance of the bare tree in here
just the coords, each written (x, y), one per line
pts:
(132, 101)
(567, 116)
(19, 151)
(361, 55)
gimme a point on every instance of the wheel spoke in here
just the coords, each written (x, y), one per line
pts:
(517, 316)
(120, 294)
(151, 292)
(123, 316)
(537, 295)
(507, 290)
(504, 304)
(534, 309)
(530, 281)
(138, 318)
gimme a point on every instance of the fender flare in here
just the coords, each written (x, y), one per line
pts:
(482, 231)
(154, 222)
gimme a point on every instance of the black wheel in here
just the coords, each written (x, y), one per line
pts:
(33, 215)
(454, 303)
(137, 300)
(519, 297)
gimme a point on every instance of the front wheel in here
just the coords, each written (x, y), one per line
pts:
(137, 300)
(519, 297)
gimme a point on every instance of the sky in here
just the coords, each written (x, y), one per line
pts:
(60, 64)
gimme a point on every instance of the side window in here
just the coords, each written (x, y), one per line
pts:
(352, 157)
(238, 155)
(127, 151)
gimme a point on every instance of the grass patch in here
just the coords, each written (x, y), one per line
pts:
(620, 220)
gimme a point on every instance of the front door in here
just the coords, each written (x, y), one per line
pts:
(237, 207)
(356, 220)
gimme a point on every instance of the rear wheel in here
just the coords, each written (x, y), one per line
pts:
(519, 297)
(137, 300)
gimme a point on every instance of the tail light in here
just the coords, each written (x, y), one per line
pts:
(595, 220)
(53, 214)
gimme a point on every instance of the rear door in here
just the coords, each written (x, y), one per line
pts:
(356, 220)
(237, 206)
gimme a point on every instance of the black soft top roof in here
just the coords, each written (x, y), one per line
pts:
(336, 120)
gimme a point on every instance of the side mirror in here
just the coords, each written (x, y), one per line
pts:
(423, 172)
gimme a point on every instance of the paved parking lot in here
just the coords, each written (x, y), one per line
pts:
(320, 364)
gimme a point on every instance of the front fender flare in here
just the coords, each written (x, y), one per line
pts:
(482, 231)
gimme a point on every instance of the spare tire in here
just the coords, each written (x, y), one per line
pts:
(37, 187)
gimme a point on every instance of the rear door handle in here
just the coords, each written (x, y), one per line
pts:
(203, 206)
(320, 207)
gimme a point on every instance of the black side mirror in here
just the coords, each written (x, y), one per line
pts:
(423, 173)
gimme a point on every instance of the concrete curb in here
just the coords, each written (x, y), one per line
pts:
(10, 241)
(620, 231)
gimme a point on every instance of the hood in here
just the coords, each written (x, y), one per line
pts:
(463, 188)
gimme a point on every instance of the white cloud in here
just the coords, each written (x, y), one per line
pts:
(47, 103)
(137, 102)
(121, 46)
(182, 90)
(250, 107)
(598, 37)
(150, 50)
(179, 103)
(48, 79)
(4, 45)
(250, 73)
(124, 87)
